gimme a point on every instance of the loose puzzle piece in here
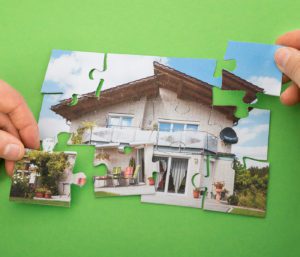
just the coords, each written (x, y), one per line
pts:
(255, 73)
(238, 184)
(45, 178)
(255, 64)
(153, 126)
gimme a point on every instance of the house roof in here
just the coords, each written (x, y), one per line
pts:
(186, 87)
(233, 82)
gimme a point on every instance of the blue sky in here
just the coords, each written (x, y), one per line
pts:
(255, 63)
(202, 69)
(253, 134)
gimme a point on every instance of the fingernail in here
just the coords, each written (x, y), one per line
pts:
(282, 56)
(12, 151)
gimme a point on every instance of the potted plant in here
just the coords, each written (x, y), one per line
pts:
(151, 181)
(196, 192)
(132, 163)
(202, 192)
(219, 187)
(48, 194)
(40, 192)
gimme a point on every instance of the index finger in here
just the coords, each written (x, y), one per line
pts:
(13, 104)
(291, 39)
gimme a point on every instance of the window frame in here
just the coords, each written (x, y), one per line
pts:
(184, 123)
(120, 117)
(169, 165)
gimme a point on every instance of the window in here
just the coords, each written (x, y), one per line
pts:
(171, 177)
(177, 176)
(119, 121)
(163, 126)
(161, 173)
(174, 127)
(191, 127)
(178, 127)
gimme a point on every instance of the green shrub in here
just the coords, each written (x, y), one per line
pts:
(233, 200)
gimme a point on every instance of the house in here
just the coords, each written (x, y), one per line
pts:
(169, 122)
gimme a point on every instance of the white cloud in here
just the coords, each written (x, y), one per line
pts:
(70, 71)
(51, 127)
(270, 85)
(258, 152)
(250, 133)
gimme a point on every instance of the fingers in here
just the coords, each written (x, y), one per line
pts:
(291, 95)
(11, 147)
(13, 104)
(291, 39)
(9, 167)
(288, 61)
(6, 125)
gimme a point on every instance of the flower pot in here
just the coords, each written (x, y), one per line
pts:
(196, 194)
(218, 190)
(48, 196)
(39, 194)
(151, 181)
(126, 181)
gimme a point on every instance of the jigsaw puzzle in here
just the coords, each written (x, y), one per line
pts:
(243, 189)
(152, 120)
(45, 178)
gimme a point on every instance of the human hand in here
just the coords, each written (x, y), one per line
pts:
(288, 61)
(18, 127)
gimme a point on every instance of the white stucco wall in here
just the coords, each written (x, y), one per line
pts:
(68, 175)
(100, 116)
(222, 171)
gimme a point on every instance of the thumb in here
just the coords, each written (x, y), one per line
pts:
(288, 61)
(11, 148)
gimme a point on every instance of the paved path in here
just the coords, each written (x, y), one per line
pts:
(213, 205)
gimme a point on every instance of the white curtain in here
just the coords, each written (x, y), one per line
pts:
(178, 171)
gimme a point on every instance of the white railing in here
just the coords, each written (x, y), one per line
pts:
(188, 139)
(178, 139)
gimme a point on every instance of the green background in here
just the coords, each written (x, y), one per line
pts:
(124, 226)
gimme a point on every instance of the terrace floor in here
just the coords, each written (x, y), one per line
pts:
(126, 190)
(173, 199)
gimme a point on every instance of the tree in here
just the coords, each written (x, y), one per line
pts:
(51, 167)
(250, 185)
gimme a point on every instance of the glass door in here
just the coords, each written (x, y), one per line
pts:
(177, 175)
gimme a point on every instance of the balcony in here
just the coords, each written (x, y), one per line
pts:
(178, 139)
(188, 139)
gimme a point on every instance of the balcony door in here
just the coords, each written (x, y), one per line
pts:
(171, 177)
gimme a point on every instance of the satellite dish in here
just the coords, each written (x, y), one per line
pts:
(228, 136)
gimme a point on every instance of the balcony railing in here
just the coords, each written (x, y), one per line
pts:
(178, 139)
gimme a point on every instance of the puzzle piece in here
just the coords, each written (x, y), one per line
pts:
(255, 64)
(45, 178)
(255, 73)
(238, 189)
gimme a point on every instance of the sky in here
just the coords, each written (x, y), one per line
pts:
(255, 63)
(253, 134)
(67, 73)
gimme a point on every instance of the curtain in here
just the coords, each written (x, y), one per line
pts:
(178, 171)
